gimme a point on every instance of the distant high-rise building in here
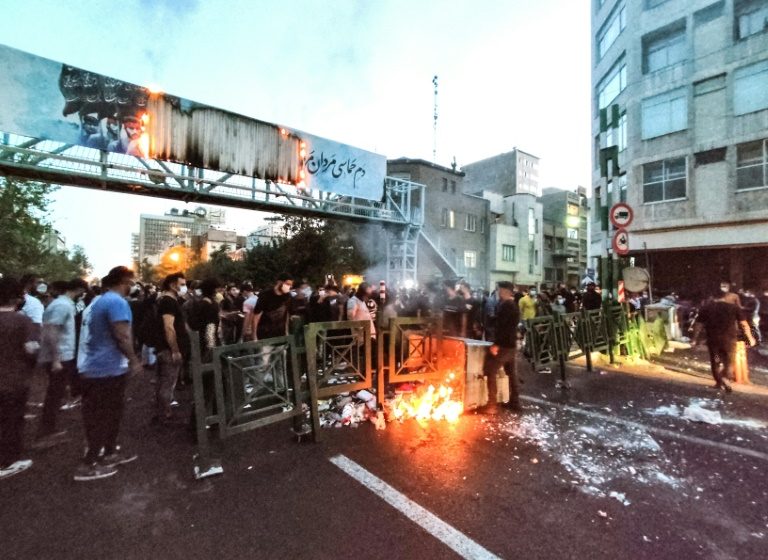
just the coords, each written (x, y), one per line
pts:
(176, 227)
(680, 133)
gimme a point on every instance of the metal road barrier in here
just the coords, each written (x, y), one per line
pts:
(339, 356)
(410, 349)
(559, 338)
(244, 387)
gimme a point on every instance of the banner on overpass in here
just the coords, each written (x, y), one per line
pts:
(47, 100)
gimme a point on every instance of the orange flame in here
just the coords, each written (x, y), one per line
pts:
(430, 403)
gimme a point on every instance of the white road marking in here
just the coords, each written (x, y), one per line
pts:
(457, 541)
(660, 431)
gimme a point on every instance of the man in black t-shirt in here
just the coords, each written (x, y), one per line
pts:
(504, 348)
(271, 311)
(203, 317)
(722, 321)
(172, 344)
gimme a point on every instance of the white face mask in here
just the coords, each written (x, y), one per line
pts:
(42, 288)
(307, 292)
(560, 300)
(183, 290)
(285, 288)
(198, 292)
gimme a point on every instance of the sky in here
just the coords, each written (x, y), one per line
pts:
(512, 73)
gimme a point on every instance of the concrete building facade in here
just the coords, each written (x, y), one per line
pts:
(680, 133)
(454, 240)
(509, 182)
(566, 218)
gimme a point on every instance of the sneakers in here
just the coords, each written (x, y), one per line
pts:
(74, 403)
(94, 471)
(49, 440)
(15, 468)
(118, 458)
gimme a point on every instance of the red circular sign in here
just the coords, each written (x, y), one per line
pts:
(620, 242)
(621, 215)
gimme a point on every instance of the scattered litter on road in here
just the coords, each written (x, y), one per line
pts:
(600, 457)
(601, 513)
(704, 411)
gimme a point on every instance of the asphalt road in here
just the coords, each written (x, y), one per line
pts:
(608, 470)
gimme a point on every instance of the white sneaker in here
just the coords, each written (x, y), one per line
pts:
(15, 468)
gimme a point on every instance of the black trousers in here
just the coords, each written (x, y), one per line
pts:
(721, 356)
(54, 395)
(103, 405)
(13, 403)
(506, 358)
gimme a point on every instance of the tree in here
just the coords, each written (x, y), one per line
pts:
(24, 207)
(311, 249)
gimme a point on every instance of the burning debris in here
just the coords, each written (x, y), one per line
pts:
(426, 402)
(421, 402)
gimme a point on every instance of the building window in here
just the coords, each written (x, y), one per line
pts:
(751, 17)
(549, 243)
(750, 88)
(612, 85)
(470, 259)
(617, 136)
(508, 253)
(453, 187)
(470, 223)
(482, 225)
(445, 184)
(532, 226)
(751, 165)
(664, 180)
(709, 14)
(664, 49)
(649, 4)
(665, 113)
(573, 233)
(448, 219)
(611, 31)
(623, 187)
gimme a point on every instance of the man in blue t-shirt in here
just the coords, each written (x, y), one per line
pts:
(108, 359)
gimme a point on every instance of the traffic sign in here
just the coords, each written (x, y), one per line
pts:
(620, 242)
(621, 215)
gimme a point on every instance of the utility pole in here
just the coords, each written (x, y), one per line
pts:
(434, 124)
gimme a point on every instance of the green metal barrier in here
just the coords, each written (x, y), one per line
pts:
(559, 338)
(339, 356)
(246, 386)
(413, 351)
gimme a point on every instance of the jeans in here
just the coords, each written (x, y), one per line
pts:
(505, 357)
(103, 405)
(13, 403)
(54, 395)
(167, 377)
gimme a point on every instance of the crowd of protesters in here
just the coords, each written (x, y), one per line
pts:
(88, 340)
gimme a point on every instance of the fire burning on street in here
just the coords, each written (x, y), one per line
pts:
(428, 402)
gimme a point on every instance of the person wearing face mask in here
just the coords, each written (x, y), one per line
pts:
(172, 344)
(108, 359)
(728, 295)
(591, 299)
(559, 307)
(528, 305)
(270, 316)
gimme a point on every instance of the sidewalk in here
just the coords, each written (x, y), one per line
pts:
(686, 367)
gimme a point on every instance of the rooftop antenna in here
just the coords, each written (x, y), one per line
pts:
(434, 124)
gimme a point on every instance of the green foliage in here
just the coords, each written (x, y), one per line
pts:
(23, 228)
(312, 248)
